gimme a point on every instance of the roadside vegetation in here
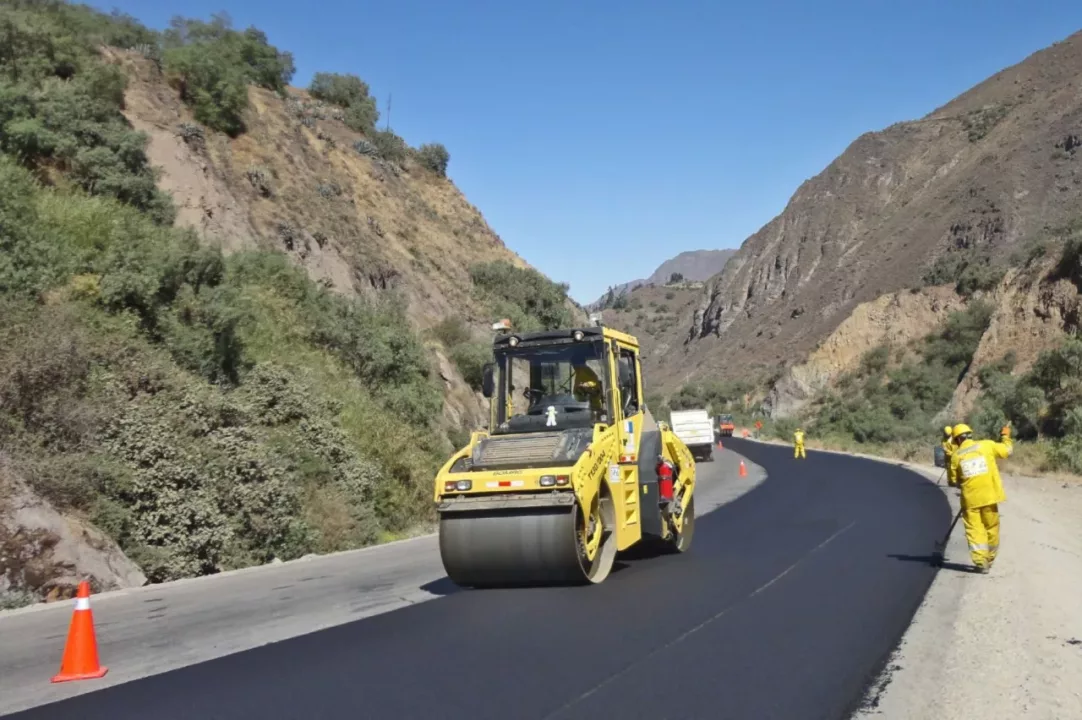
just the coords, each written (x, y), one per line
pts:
(208, 412)
(524, 296)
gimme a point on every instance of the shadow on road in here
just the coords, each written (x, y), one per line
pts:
(934, 561)
(442, 587)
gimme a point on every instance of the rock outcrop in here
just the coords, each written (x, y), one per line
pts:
(44, 554)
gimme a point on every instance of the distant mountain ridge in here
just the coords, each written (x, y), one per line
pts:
(694, 265)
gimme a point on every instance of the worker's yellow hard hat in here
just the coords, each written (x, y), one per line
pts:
(961, 429)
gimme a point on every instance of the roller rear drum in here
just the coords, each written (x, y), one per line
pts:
(530, 546)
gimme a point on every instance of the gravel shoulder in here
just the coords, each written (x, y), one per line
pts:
(1005, 645)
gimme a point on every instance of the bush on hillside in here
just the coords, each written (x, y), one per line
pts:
(60, 109)
(884, 403)
(390, 147)
(451, 331)
(350, 93)
(207, 412)
(434, 157)
(341, 90)
(970, 271)
(528, 298)
(1041, 404)
(716, 396)
(211, 65)
(470, 359)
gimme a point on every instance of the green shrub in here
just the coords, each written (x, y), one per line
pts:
(208, 412)
(350, 93)
(211, 65)
(341, 90)
(970, 271)
(451, 331)
(470, 358)
(528, 298)
(60, 106)
(434, 157)
(883, 404)
(716, 396)
(389, 146)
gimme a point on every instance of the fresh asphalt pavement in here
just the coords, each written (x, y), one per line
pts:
(790, 600)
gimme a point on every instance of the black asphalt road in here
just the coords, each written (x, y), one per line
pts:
(789, 602)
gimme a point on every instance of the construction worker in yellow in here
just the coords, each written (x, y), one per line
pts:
(948, 449)
(587, 387)
(798, 444)
(973, 468)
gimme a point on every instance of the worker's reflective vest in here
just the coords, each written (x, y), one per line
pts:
(973, 464)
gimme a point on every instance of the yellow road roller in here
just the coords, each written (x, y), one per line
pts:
(571, 468)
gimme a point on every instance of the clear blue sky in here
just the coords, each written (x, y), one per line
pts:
(601, 138)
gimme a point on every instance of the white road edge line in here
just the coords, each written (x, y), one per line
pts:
(697, 628)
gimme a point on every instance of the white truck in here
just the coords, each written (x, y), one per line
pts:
(696, 430)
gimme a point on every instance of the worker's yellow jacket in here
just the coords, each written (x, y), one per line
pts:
(798, 438)
(973, 467)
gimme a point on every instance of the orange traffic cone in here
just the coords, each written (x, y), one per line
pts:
(80, 660)
(720, 446)
(743, 470)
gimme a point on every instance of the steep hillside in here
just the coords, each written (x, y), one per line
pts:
(690, 266)
(299, 181)
(949, 198)
(656, 315)
(237, 321)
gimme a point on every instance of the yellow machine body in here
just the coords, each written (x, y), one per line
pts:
(566, 475)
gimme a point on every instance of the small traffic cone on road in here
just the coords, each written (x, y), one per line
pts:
(743, 470)
(80, 661)
(720, 446)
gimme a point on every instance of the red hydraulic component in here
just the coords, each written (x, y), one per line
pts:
(665, 480)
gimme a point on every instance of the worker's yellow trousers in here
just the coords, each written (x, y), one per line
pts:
(982, 533)
(798, 451)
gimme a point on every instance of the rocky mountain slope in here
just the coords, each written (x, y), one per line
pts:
(955, 197)
(296, 182)
(691, 265)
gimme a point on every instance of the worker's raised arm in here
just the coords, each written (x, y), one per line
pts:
(1004, 447)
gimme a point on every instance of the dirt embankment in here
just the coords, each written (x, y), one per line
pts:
(44, 555)
(1007, 645)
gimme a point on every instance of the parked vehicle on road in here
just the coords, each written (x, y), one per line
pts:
(695, 430)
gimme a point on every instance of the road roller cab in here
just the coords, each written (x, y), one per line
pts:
(571, 470)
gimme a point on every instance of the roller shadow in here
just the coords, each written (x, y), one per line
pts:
(442, 587)
(934, 561)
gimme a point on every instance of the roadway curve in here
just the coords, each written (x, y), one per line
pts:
(791, 599)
